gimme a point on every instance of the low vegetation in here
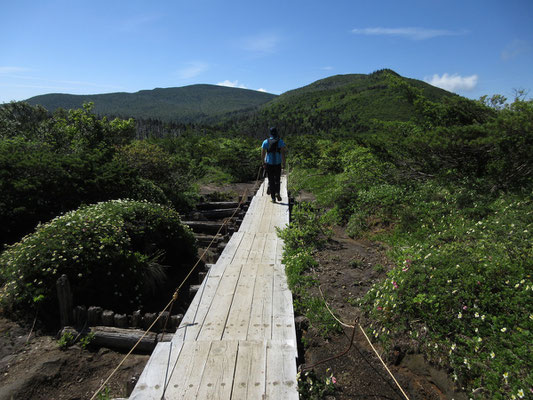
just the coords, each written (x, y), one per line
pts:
(450, 193)
(119, 254)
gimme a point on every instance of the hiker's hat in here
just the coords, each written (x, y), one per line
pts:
(273, 131)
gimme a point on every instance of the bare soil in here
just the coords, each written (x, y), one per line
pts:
(34, 367)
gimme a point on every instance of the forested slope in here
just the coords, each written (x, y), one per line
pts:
(194, 103)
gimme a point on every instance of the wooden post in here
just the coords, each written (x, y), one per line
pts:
(64, 296)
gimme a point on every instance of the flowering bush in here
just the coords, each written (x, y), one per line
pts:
(311, 387)
(116, 254)
(466, 279)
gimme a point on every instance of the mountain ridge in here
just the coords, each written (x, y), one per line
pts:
(190, 103)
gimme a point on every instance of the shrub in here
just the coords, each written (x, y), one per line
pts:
(116, 254)
(37, 184)
(462, 288)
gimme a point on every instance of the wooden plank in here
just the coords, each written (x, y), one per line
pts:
(266, 217)
(152, 380)
(187, 374)
(229, 251)
(236, 327)
(281, 372)
(283, 328)
(194, 317)
(269, 254)
(279, 252)
(250, 371)
(260, 326)
(217, 380)
(215, 320)
(243, 251)
(257, 249)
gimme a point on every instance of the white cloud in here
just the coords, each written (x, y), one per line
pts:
(407, 32)
(263, 44)
(453, 82)
(234, 84)
(12, 70)
(515, 48)
(192, 70)
(328, 68)
(262, 90)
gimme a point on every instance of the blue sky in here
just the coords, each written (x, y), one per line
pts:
(471, 47)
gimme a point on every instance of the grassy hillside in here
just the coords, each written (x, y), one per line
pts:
(193, 103)
(347, 103)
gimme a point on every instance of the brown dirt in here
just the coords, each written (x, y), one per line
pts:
(347, 269)
(38, 369)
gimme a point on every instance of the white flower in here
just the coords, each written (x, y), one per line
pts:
(503, 329)
(520, 393)
(460, 315)
(492, 355)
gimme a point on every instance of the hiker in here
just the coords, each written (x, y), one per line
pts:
(273, 156)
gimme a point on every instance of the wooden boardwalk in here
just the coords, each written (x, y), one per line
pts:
(237, 339)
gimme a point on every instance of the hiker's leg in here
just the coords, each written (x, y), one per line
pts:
(277, 177)
(271, 180)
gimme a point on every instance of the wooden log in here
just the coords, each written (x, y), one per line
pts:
(108, 318)
(217, 205)
(120, 338)
(64, 296)
(94, 316)
(205, 240)
(121, 321)
(136, 318)
(148, 319)
(207, 227)
(218, 214)
(80, 315)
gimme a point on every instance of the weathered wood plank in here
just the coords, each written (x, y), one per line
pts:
(250, 371)
(152, 380)
(283, 328)
(236, 327)
(257, 249)
(281, 372)
(188, 371)
(260, 326)
(215, 320)
(217, 379)
(243, 251)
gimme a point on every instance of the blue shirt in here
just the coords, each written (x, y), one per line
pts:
(273, 158)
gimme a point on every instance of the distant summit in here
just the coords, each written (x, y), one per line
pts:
(194, 103)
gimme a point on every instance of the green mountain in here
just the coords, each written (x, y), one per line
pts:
(193, 103)
(347, 103)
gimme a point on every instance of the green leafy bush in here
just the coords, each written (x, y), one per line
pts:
(463, 287)
(307, 233)
(117, 254)
(37, 183)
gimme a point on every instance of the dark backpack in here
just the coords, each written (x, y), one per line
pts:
(273, 145)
